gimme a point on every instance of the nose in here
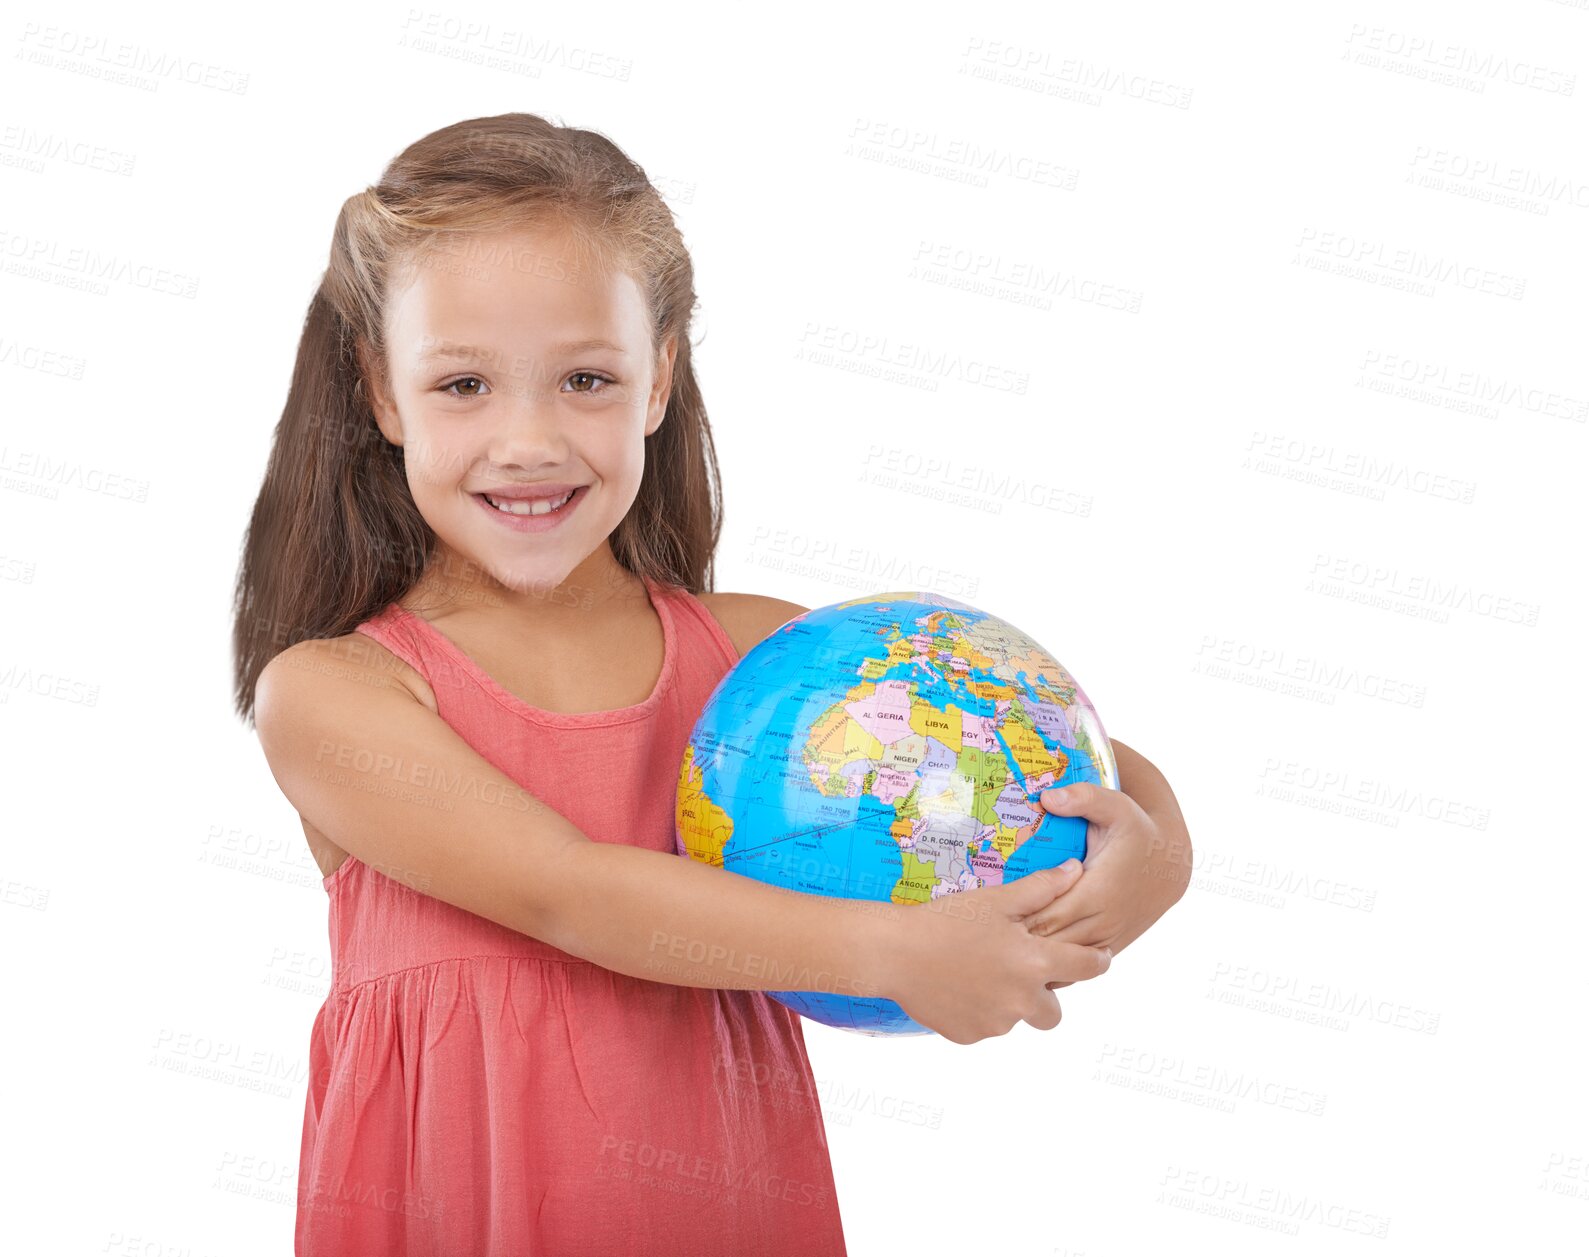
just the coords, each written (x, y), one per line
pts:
(530, 430)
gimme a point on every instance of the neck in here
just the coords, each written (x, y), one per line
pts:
(453, 583)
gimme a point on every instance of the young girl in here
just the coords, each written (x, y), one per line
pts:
(473, 633)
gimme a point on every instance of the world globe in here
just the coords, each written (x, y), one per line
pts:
(888, 748)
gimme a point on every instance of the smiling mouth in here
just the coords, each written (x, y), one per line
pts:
(529, 506)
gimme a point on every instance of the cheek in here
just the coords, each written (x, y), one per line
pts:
(434, 462)
(620, 456)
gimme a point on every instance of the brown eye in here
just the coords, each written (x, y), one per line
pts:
(592, 376)
(465, 380)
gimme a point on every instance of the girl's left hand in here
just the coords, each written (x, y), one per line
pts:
(1131, 876)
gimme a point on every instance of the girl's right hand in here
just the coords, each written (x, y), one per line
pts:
(968, 967)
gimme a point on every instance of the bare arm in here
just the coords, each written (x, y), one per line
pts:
(389, 781)
(386, 779)
(1139, 856)
(1168, 861)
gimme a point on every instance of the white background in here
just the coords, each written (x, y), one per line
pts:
(1249, 379)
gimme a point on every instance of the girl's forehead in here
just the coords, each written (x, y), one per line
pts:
(496, 304)
(557, 245)
(547, 251)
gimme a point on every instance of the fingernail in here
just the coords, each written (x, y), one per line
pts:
(1059, 797)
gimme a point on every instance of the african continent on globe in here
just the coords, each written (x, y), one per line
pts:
(888, 748)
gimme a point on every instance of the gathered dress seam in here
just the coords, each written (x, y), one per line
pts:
(449, 960)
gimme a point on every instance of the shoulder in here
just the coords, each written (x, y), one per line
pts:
(308, 670)
(748, 618)
(345, 678)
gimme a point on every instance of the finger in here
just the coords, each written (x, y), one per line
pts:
(1090, 931)
(1025, 895)
(1066, 888)
(1075, 962)
(1046, 1016)
(1082, 902)
(1099, 804)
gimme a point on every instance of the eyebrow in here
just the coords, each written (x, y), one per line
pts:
(446, 352)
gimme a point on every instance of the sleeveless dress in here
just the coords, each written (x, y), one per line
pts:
(476, 1092)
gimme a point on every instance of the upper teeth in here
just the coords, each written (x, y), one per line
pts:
(537, 506)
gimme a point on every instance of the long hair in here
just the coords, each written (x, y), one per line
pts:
(335, 535)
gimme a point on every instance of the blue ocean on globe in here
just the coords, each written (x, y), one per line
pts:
(889, 748)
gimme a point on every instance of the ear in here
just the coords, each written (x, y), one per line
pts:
(662, 389)
(372, 383)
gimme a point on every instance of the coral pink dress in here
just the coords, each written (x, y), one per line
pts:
(475, 1092)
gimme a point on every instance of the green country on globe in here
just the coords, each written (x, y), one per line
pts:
(888, 748)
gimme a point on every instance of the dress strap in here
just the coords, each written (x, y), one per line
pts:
(692, 606)
(387, 627)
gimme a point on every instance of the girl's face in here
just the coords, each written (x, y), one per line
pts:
(512, 369)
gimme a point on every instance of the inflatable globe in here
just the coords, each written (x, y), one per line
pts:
(888, 748)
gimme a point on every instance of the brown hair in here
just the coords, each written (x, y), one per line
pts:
(335, 535)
